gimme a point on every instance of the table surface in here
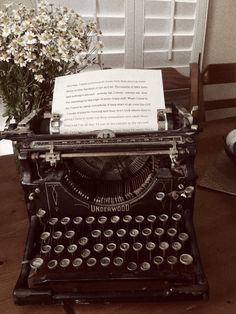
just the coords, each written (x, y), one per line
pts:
(215, 221)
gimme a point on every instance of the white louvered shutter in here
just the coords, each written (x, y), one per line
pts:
(147, 33)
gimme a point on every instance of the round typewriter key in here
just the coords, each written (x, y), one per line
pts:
(121, 233)
(183, 237)
(58, 249)
(44, 236)
(111, 247)
(40, 213)
(102, 220)
(124, 246)
(171, 232)
(137, 246)
(77, 220)
(52, 221)
(127, 218)
(52, 264)
(118, 261)
(96, 233)
(105, 261)
(164, 246)
(89, 220)
(134, 233)
(160, 196)
(163, 217)
(85, 253)
(46, 249)
(176, 217)
(77, 262)
(150, 246)
(176, 246)
(180, 186)
(98, 247)
(158, 260)
(132, 266)
(57, 235)
(108, 233)
(172, 260)
(69, 234)
(83, 241)
(186, 259)
(72, 248)
(115, 219)
(159, 231)
(145, 266)
(151, 218)
(146, 232)
(36, 263)
(91, 262)
(65, 262)
(65, 220)
(139, 219)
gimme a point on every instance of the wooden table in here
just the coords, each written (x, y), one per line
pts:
(215, 222)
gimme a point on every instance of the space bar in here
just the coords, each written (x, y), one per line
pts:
(97, 276)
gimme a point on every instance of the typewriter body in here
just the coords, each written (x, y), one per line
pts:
(110, 215)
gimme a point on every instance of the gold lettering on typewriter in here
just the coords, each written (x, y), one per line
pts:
(108, 209)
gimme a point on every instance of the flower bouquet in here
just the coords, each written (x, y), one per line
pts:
(36, 47)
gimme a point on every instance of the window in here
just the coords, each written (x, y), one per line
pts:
(147, 33)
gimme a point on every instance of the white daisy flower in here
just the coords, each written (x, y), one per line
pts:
(39, 78)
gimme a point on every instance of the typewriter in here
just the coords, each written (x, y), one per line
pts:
(110, 215)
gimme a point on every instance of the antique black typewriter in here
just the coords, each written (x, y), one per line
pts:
(111, 215)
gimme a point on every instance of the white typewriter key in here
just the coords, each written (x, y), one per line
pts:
(83, 241)
(139, 219)
(91, 262)
(115, 219)
(108, 233)
(36, 263)
(183, 237)
(160, 196)
(98, 247)
(176, 246)
(52, 221)
(127, 218)
(44, 236)
(132, 266)
(102, 220)
(77, 262)
(134, 233)
(69, 234)
(163, 217)
(158, 260)
(137, 246)
(186, 259)
(105, 261)
(176, 217)
(89, 220)
(77, 220)
(121, 233)
(58, 249)
(85, 253)
(40, 213)
(46, 249)
(145, 266)
(150, 246)
(57, 235)
(171, 232)
(72, 248)
(124, 246)
(146, 232)
(164, 247)
(96, 233)
(118, 261)
(151, 218)
(65, 221)
(171, 260)
(52, 264)
(111, 247)
(159, 232)
(65, 262)
(180, 186)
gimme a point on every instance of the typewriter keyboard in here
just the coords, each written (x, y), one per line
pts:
(129, 245)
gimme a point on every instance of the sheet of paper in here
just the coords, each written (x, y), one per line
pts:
(122, 100)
